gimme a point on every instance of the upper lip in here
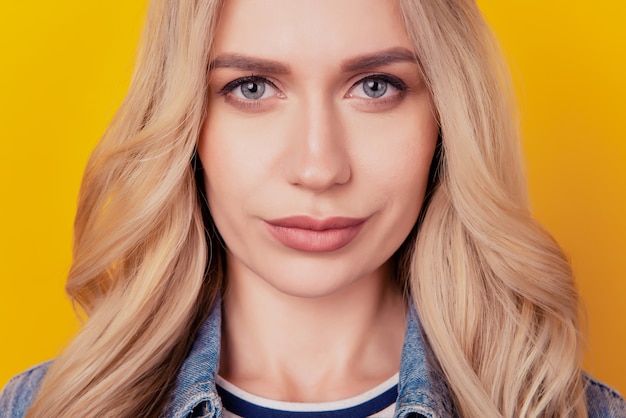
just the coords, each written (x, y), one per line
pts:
(314, 224)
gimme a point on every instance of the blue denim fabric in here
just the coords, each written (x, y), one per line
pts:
(422, 390)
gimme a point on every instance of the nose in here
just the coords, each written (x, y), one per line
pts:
(319, 157)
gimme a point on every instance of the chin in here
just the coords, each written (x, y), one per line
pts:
(307, 287)
(322, 282)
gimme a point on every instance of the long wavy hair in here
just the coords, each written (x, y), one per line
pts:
(494, 292)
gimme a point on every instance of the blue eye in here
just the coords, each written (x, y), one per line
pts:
(250, 88)
(374, 88)
(377, 86)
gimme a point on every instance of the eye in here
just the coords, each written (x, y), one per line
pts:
(377, 86)
(374, 88)
(250, 88)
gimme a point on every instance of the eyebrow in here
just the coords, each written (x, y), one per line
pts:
(379, 59)
(245, 63)
(361, 62)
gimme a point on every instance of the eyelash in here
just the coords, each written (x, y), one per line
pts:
(244, 104)
(231, 86)
(393, 81)
(252, 104)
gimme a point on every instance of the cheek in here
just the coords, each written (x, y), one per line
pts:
(404, 185)
(231, 156)
(405, 178)
(224, 169)
(399, 164)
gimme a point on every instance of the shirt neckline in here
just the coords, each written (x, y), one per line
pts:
(378, 390)
(242, 404)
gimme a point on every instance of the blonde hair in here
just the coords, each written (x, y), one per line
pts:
(494, 292)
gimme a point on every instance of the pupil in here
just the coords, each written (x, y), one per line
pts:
(252, 87)
(375, 88)
(253, 90)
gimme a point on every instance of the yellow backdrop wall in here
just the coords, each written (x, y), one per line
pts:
(65, 68)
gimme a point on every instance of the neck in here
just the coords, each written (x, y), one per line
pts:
(311, 349)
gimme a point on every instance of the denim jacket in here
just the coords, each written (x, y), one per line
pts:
(422, 391)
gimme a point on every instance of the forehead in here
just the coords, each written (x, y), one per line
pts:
(308, 32)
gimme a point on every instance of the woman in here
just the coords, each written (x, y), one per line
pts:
(315, 205)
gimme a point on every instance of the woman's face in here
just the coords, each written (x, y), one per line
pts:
(318, 140)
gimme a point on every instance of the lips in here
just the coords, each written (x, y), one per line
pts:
(303, 233)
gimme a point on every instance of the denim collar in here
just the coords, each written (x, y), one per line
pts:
(422, 390)
(195, 386)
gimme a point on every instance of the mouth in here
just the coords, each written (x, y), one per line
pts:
(303, 233)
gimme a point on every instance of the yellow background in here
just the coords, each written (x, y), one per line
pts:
(65, 66)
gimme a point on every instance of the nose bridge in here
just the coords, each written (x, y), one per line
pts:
(322, 159)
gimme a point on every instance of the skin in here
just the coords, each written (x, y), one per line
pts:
(314, 326)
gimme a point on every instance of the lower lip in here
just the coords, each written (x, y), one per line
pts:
(314, 241)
